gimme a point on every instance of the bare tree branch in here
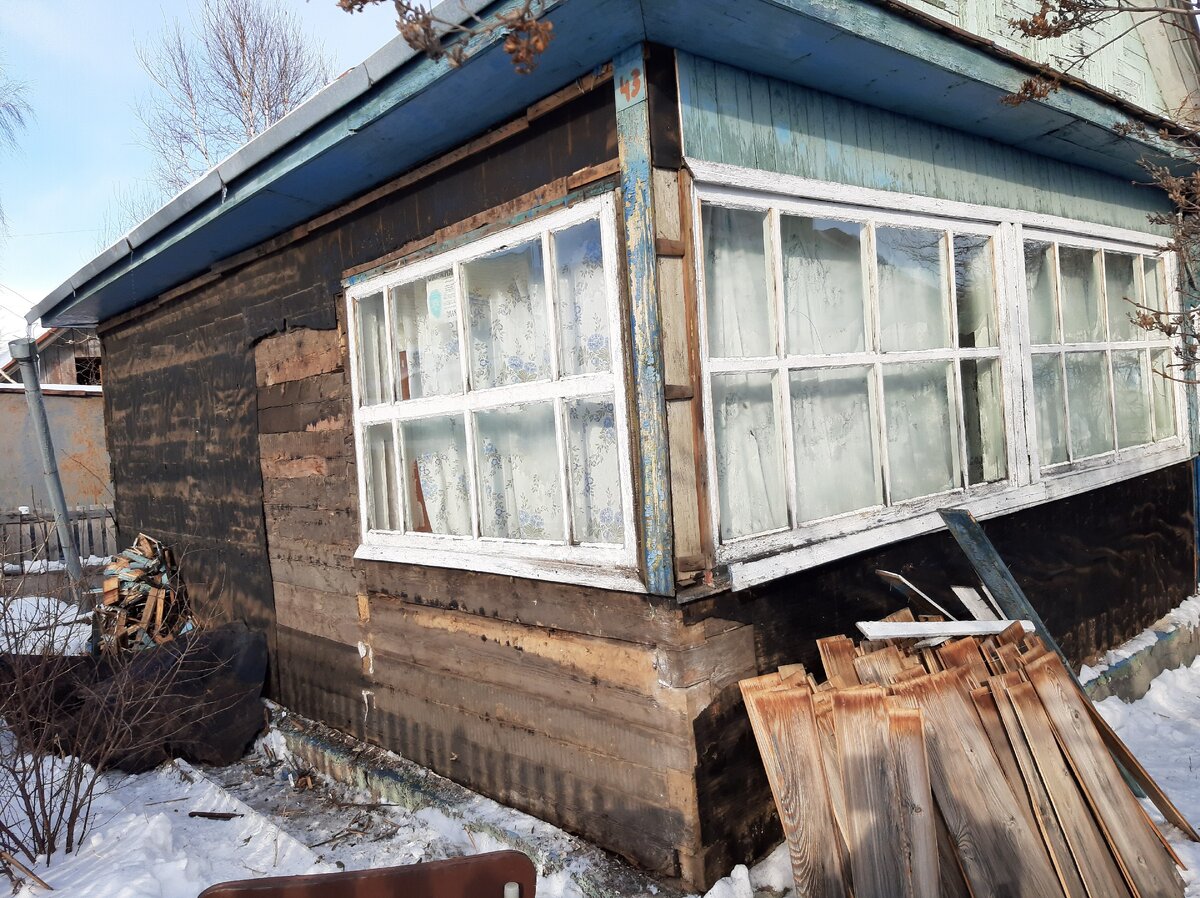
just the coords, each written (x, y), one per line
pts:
(1176, 172)
(237, 68)
(526, 38)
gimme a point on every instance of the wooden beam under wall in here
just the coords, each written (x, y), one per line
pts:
(633, 145)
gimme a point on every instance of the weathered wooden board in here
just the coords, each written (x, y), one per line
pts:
(878, 629)
(832, 138)
(1146, 866)
(1060, 852)
(999, 851)
(877, 829)
(1092, 858)
(787, 731)
(837, 657)
(916, 797)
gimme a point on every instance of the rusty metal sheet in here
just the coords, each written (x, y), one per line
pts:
(480, 876)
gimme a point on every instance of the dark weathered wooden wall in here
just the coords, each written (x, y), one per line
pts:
(1098, 567)
(181, 402)
(230, 423)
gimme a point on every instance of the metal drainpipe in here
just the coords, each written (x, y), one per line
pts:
(24, 352)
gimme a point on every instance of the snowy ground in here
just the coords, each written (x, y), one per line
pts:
(144, 844)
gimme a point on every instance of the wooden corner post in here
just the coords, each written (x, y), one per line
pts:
(633, 144)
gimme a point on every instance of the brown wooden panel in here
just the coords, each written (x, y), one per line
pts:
(526, 773)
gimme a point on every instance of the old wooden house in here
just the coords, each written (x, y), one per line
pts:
(528, 413)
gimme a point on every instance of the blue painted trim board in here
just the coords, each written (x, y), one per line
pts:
(734, 116)
(633, 144)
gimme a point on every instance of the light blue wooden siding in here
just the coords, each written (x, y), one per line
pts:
(732, 116)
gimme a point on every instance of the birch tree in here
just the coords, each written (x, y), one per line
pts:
(229, 73)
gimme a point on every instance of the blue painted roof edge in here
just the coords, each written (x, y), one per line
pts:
(886, 28)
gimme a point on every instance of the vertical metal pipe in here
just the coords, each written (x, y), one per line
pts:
(24, 352)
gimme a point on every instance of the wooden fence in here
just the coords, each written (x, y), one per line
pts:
(33, 537)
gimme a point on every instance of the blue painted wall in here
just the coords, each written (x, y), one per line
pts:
(730, 115)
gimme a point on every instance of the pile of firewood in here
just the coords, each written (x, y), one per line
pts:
(973, 767)
(144, 603)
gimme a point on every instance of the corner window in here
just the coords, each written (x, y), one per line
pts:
(1096, 375)
(490, 421)
(869, 358)
(853, 363)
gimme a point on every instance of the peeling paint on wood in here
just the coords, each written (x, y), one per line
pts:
(633, 144)
(736, 117)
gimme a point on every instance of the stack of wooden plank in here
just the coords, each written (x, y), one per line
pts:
(973, 768)
(144, 603)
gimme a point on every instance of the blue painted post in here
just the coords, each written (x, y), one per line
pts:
(633, 144)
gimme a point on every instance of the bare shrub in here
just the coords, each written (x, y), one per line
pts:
(68, 717)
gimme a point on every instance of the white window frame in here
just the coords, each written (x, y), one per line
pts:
(760, 558)
(607, 566)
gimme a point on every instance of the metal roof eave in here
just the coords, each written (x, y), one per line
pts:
(396, 110)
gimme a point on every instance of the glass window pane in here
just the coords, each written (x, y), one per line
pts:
(922, 429)
(983, 414)
(974, 291)
(435, 476)
(837, 456)
(740, 320)
(1050, 396)
(1039, 281)
(593, 455)
(1089, 403)
(1121, 292)
(383, 497)
(1163, 389)
(1081, 315)
(823, 285)
(519, 490)
(1132, 394)
(507, 301)
(374, 385)
(912, 306)
(1156, 296)
(582, 299)
(749, 455)
(425, 319)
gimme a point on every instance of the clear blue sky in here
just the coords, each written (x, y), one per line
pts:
(84, 80)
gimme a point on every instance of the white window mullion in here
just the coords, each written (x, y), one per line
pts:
(564, 467)
(871, 281)
(783, 397)
(955, 397)
(549, 281)
(400, 461)
(1016, 355)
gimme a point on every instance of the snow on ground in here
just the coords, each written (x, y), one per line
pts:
(144, 844)
(1186, 614)
(46, 566)
(35, 624)
(1163, 731)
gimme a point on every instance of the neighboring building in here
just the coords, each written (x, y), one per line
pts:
(68, 356)
(527, 414)
(76, 416)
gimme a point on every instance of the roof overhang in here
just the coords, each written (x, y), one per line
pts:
(399, 109)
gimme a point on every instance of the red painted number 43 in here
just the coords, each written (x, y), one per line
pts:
(632, 86)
